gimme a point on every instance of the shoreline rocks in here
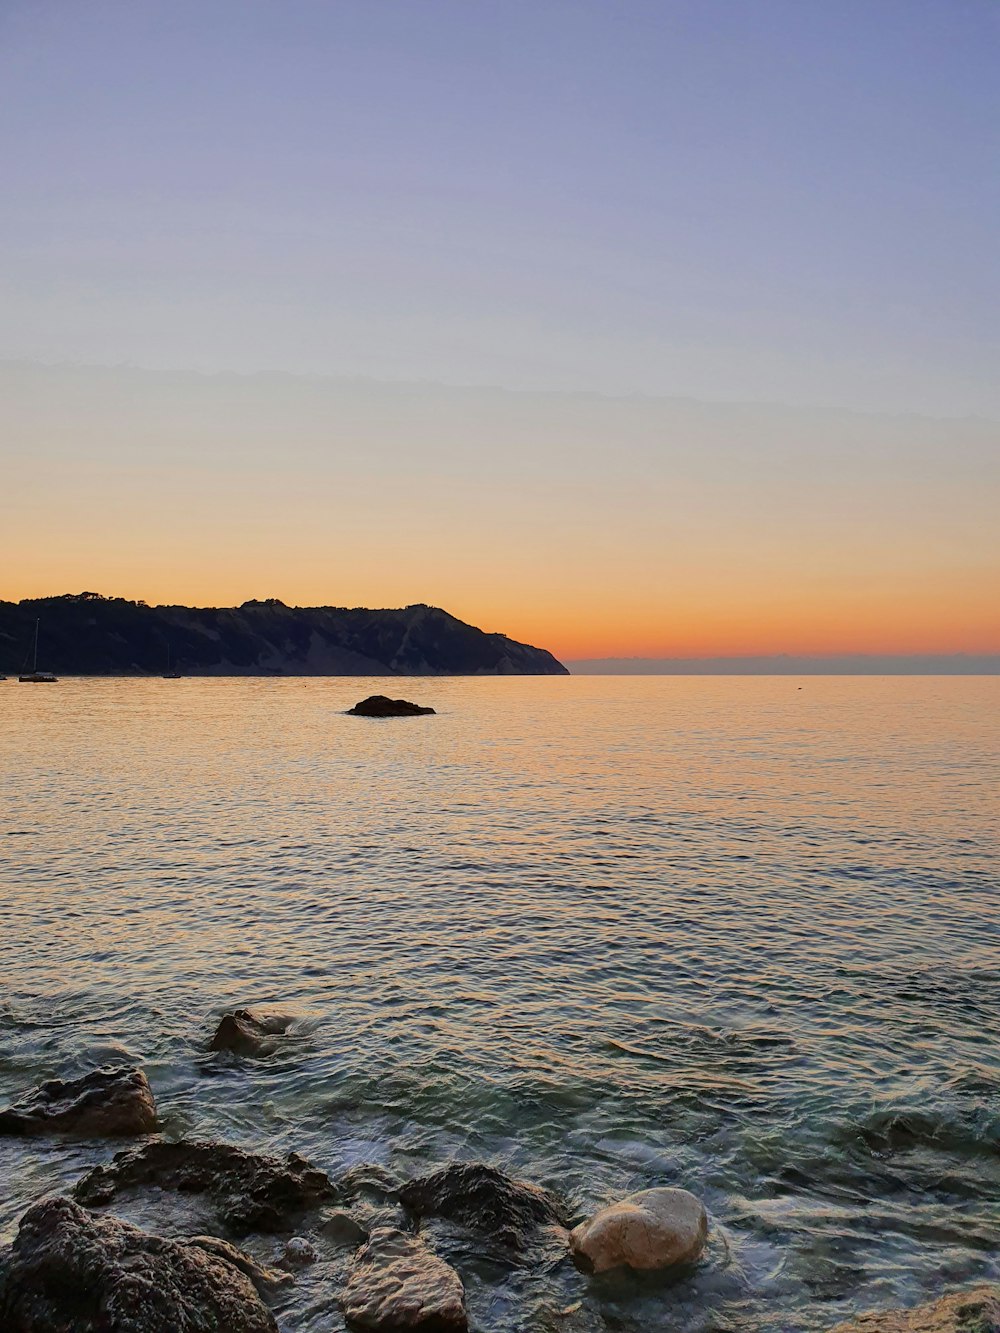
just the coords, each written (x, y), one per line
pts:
(68, 1269)
(110, 1102)
(245, 1032)
(378, 705)
(396, 1284)
(251, 1191)
(657, 1228)
(485, 1200)
(976, 1310)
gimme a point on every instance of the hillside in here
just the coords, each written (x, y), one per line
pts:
(87, 634)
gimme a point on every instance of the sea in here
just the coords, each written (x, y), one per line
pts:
(739, 935)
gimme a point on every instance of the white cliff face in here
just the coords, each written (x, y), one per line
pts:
(652, 1229)
(396, 1284)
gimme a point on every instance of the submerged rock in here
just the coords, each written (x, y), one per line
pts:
(107, 1102)
(974, 1311)
(377, 705)
(251, 1191)
(247, 1033)
(71, 1272)
(652, 1229)
(396, 1285)
(484, 1199)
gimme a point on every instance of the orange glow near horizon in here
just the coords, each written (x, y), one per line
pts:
(590, 527)
(914, 620)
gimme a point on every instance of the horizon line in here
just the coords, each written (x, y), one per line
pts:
(794, 664)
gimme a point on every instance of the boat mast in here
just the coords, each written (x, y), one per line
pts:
(34, 665)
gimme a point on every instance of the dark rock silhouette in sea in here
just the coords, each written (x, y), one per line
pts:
(250, 1191)
(378, 705)
(976, 1310)
(485, 1200)
(71, 1272)
(107, 1102)
(397, 1285)
(248, 1033)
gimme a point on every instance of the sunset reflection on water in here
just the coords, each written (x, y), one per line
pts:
(613, 932)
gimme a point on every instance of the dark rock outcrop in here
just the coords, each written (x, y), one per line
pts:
(250, 1191)
(397, 1285)
(107, 1102)
(486, 1200)
(378, 705)
(86, 634)
(71, 1272)
(974, 1311)
(248, 1033)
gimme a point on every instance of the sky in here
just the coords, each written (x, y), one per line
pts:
(653, 329)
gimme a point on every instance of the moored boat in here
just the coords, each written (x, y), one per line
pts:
(34, 676)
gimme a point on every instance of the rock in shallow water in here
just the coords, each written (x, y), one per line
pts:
(377, 705)
(652, 1229)
(397, 1285)
(485, 1199)
(107, 1102)
(251, 1191)
(247, 1033)
(71, 1272)
(973, 1311)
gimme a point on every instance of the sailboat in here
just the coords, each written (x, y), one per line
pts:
(168, 674)
(34, 676)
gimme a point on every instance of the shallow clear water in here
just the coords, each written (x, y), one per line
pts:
(740, 935)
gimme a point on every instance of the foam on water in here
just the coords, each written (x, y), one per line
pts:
(610, 933)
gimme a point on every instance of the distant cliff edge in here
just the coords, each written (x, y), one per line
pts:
(85, 634)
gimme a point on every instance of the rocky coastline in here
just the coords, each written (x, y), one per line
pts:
(381, 1254)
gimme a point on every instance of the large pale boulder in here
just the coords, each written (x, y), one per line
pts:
(652, 1229)
(71, 1272)
(107, 1102)
(396, 1285)
(976, 1310)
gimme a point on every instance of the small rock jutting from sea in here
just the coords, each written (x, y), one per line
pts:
(246, 1032)
(378, 705)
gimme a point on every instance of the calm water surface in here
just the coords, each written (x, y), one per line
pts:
(740, 935)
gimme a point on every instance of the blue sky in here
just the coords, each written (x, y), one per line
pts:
(792, 200)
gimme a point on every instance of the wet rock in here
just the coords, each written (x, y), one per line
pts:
(343, 1229)
(377, 705)
(484, 1199)
(396, 1285)
(299, 1252)
(974, 1311)
(369, 1180)
(248, 1033)
(251, 1191)
(107, 1102)
(71, 1272)
(266, 1280)
(652, 1229)
(372, 1193)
